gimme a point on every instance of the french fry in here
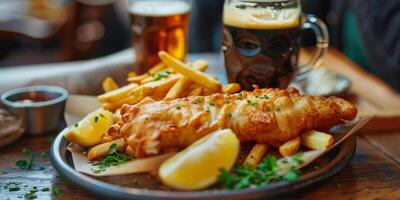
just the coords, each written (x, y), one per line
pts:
(195, 92)
(116, 95)
(109, 84)
(158, 75)
(157, 68)
(132, 74)
(160, 88)
(200, 65)
(183, 84)
(207, 91)
(316, 140)
(256, 154)
(290, 147)
(101, 150)
(136, 95)
(137, 79)
(105, 139)
(115, 105)
(178, 89)
(196, 76)
(147, 79)
(157, 89)
(231, 88)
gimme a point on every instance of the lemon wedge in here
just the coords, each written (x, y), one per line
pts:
(198, 166)
(89, 130)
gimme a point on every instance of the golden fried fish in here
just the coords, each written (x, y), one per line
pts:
(266, 116)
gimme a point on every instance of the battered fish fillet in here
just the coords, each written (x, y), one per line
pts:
(267, 116)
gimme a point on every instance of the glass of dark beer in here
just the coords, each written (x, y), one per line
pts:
(261, 40)
(158, 25)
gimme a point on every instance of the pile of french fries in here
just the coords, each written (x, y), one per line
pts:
(169, 79)
(311, 139)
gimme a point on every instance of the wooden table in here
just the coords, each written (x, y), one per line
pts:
(373, 173)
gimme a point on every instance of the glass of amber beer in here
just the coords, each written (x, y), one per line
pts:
(158, 25)
(261, 41)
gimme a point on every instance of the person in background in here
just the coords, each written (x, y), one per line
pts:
(368, 32)
(206, 25)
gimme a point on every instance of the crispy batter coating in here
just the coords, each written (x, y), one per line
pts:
(267, 116)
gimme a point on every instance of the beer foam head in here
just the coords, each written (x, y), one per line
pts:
(260, 18)
(159, 7)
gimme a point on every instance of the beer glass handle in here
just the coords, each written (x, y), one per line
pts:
(322, 44)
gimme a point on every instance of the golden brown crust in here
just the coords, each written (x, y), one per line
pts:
(269, 116)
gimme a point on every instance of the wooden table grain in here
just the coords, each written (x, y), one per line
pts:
(373, 173)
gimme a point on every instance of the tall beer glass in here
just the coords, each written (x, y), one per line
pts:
(260, 41)
(158, 25)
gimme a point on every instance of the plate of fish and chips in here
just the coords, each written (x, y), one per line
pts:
(176, 132)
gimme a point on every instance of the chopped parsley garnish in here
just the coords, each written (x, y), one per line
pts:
(197, 101)
(96, 119)
(135, 182)
(178, 107)
(26, 164)
(55, 191)
(76, 125)
(264, 97)
(268, 171)
(101, 115)
(44, 155)
(162, 75)
(50, 139)
(227, 101)
(65, 181)
(239, 96)
(26, 150)
(207, 110)
(211, 103)
(229, 114)
(34, 189)
(254, 104)
(268, 108)
(45, 189)
(12, 187)
(30, 195)
(278, 109)
(113, 158)
(21, 163)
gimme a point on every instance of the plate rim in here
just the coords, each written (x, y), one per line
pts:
(98, 187)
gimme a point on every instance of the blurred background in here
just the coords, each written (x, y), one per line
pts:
(46, 31)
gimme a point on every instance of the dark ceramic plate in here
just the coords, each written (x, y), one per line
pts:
(122, 187)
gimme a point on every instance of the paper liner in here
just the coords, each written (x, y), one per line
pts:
(149, 164)
(78, 106)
